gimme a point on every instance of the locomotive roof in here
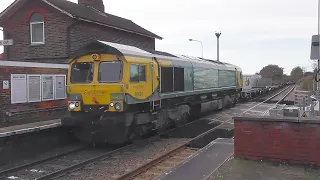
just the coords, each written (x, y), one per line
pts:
(97, 46)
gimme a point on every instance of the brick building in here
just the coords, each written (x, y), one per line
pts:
(45, 34)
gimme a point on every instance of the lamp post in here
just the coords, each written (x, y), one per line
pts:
(218, 36)
(200, 43)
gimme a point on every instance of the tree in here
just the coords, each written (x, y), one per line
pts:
(314, 66)
(308, 74)
(307, 83)
(285, 78)
(272, 71)
(296, 73)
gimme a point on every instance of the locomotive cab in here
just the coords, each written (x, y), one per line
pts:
(96, 93)
(106, 85)
(95, 84)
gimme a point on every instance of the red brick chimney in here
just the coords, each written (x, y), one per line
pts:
(97, 4)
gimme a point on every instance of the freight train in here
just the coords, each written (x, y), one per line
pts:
(254, 85)
(118, 93)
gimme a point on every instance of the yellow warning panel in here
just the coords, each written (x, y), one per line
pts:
(304, 114)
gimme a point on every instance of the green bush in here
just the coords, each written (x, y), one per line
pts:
(306, 83)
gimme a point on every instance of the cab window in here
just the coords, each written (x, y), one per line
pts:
(81, 72)
(110, 72)
(137, 73)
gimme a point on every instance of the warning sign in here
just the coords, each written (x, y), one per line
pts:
(304, 114)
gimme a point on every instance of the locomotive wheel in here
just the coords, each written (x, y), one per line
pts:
(234, 102)
(195, 111)
(184, 118)
(134, 133)
(225, 102)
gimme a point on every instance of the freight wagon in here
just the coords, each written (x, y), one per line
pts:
(254, 85)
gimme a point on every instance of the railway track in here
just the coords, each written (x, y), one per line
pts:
(269, 95)
(281, 98)
(7, 171)
(72, 161)
(282, 95)
(165, 162)
(58, 165)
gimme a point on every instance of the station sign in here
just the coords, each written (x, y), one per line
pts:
(314, 55)
(6, 42)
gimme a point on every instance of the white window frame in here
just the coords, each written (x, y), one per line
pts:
(31, 38)
(65, 86)
(145, 73)
(53, 86)
(11, 89)
(36, 75)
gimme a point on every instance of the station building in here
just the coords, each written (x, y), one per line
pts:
(45, 33)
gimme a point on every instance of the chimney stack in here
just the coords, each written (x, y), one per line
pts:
(97, 4)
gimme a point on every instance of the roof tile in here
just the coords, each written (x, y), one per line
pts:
(91, 14)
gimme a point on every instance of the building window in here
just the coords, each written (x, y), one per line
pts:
(137, 73)
(37, 28)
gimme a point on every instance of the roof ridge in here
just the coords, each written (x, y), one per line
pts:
(97, 11)
(90, 14)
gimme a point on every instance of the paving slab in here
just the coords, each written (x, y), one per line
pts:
(30, 127)
(240, 169)
(202, 163)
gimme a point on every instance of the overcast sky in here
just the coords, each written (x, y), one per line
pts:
(255, 33)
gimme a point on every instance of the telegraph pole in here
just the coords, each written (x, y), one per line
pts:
(218, 36)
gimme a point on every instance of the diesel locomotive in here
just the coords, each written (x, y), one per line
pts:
(117, 93)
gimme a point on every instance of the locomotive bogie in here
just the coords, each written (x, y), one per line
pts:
(90, 127)
(120, 128)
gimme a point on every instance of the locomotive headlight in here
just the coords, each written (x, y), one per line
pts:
(117, 106)
(72, 106)
(77, 104)
(111, 104)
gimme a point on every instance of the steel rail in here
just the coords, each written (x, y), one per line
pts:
(281, 99)
(81, 164)
(97, 158)
(167, 155)
(34, 163)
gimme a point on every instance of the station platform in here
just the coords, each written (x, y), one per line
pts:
(256, 170)
(216, 161)
(202, 163)
(30, 127)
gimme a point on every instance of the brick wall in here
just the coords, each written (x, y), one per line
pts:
(18, 29)
(58, 27)
(277, 140)
(28, 112)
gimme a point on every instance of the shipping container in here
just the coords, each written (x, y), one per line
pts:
(250, 81)
(264, 82)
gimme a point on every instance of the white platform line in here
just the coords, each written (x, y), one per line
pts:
(32, 129)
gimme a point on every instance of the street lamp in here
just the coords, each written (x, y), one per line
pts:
(218, 36)
(200, 43)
